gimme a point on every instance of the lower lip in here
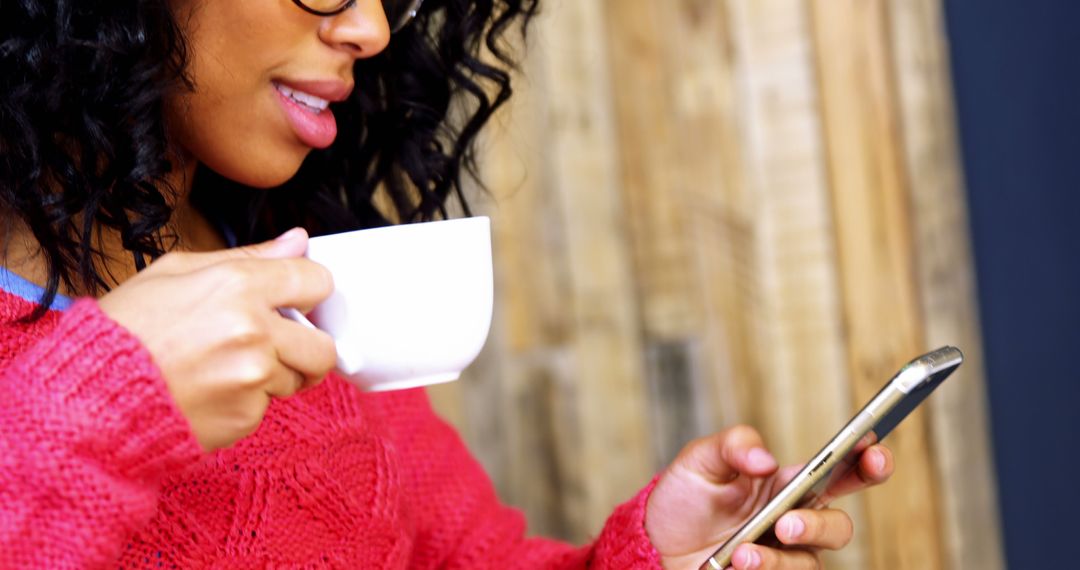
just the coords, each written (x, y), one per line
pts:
(314, 129)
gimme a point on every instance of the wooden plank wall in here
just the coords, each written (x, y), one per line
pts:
(709, 212)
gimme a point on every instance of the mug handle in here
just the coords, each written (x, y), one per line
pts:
(294, 315)
(343, 366)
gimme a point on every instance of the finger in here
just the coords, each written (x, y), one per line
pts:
(756, 557)
(310, 353)
(724, 456)
(874, 467)
(260, 371)
(244, 421)
(285, 383)
(292, 243)
(818, 528)
(786, 474)
(867, 440)
(298, 283)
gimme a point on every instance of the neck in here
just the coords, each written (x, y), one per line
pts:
(193, 231)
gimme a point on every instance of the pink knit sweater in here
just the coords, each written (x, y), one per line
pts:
(99, 469)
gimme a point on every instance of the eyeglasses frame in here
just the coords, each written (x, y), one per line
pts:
(394, 27)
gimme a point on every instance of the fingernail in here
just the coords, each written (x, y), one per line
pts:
(291, 234)
(760, 459)
(747, 558)
(792, 526)
(877, 459)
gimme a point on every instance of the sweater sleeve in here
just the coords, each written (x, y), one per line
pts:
(460, 522)
(88, 431)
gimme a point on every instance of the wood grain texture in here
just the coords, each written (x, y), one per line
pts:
(960, 432)
(653, 185)
(877, 261)
(710, 212)
(804, 393)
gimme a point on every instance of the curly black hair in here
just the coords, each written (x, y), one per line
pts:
(83, 142)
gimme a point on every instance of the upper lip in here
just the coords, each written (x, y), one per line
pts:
(333, 90)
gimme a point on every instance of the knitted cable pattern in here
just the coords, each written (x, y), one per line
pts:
(99, 469)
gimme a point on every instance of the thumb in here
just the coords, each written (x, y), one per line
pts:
(292, 243)
(720, 458)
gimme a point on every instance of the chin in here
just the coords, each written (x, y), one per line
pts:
(266, 180)
(265, 174)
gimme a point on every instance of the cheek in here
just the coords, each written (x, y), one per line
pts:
(237, 130)
(232, 122)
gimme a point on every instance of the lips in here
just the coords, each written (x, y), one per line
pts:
(333, 90)
(307, 108)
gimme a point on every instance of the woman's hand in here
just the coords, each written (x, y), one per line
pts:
(210, 321)
(717, 483)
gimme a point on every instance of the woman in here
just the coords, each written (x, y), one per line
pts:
(155, 411)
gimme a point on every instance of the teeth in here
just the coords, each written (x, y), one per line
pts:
(306, 99)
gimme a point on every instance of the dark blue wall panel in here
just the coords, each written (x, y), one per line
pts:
(1016, 69)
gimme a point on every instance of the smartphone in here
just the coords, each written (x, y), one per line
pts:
(911, 385)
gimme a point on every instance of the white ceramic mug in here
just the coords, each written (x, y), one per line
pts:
(411, 304)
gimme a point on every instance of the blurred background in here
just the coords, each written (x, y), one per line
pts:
(710, 212)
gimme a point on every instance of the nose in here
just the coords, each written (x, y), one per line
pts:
(361, 31)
